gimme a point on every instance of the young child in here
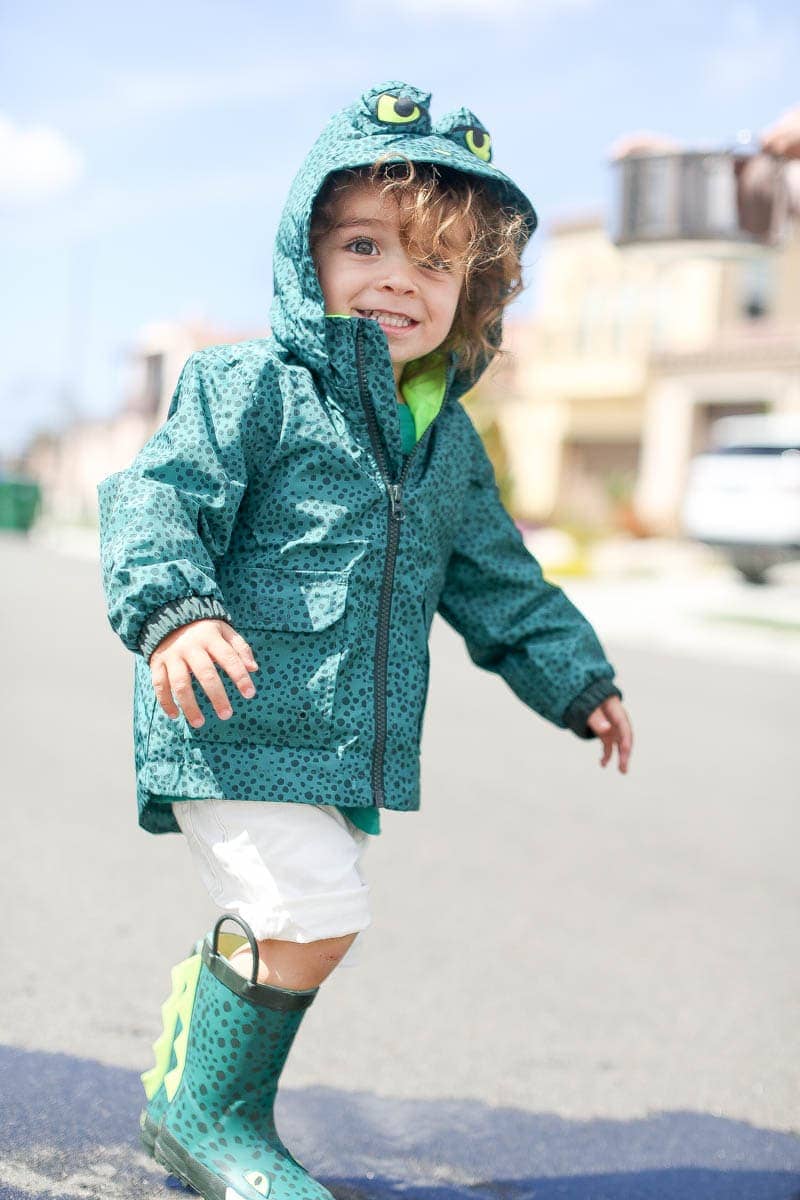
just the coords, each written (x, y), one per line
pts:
(311, 501)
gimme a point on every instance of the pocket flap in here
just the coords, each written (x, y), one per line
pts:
(278, 598)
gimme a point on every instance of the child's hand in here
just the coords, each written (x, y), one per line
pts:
(194, 648)
(783, 137)
(610, 722)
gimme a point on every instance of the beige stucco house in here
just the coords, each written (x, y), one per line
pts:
(611, 388)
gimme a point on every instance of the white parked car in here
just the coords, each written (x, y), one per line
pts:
(743, 494)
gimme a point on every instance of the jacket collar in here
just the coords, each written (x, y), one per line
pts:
(350, 340)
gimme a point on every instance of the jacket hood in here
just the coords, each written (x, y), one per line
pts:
(390, 116)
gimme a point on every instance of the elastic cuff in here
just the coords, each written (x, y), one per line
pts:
(175, 613)
(576, 714)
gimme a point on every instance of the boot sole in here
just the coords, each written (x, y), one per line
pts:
(147, 1135)
(148, 1131)
(178, 1161)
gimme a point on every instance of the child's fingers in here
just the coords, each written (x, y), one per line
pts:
(226, 652)
(608, 746)
(241, 647)
(599, 723)
(180, 685)
(625, 745)
(612, 726)
(205, 672)
(162, 689)
(194, 649)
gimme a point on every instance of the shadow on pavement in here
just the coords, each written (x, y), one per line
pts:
(69, 1128)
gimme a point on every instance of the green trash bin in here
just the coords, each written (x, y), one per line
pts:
(20, 501)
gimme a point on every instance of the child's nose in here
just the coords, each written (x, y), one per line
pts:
(399, 280)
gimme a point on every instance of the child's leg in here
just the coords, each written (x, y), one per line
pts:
(297, 964)
(293, 964)
(293, 872)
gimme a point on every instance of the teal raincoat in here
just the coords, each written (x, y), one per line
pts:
(276, 495)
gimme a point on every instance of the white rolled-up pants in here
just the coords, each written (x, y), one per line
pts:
(291, 871)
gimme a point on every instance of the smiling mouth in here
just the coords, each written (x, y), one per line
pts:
(390, 320)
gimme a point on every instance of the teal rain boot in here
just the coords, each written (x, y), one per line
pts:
(217, 1126)
(175, 1012)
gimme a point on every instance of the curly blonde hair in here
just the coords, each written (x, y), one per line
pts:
(449, 219)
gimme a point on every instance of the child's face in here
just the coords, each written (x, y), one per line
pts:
(364, 271)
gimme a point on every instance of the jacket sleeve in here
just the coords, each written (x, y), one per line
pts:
(170, 514)
(513, 621)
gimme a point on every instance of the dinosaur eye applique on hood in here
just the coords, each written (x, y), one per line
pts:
(409, 107)
(403, 106)
(466, 130)
(392, 118)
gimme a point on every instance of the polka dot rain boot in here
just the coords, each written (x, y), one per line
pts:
(227, 1047)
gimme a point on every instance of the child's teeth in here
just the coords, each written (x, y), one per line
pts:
(388, 318)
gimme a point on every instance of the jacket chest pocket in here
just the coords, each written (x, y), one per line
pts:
(298, 624)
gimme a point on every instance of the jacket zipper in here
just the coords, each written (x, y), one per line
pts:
(394, 490)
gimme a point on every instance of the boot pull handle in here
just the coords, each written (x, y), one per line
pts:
(248, 934)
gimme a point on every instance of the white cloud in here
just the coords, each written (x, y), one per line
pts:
(35, 163)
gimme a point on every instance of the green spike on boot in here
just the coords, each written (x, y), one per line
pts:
(175, 1013)
(229, 1042)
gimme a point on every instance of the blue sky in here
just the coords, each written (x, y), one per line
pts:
(146, 150)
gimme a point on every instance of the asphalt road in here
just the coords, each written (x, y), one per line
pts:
(577, 984)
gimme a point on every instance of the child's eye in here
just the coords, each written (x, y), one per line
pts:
(436, 264)
(361, 241)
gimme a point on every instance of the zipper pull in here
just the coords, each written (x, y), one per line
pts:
(396, 500)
